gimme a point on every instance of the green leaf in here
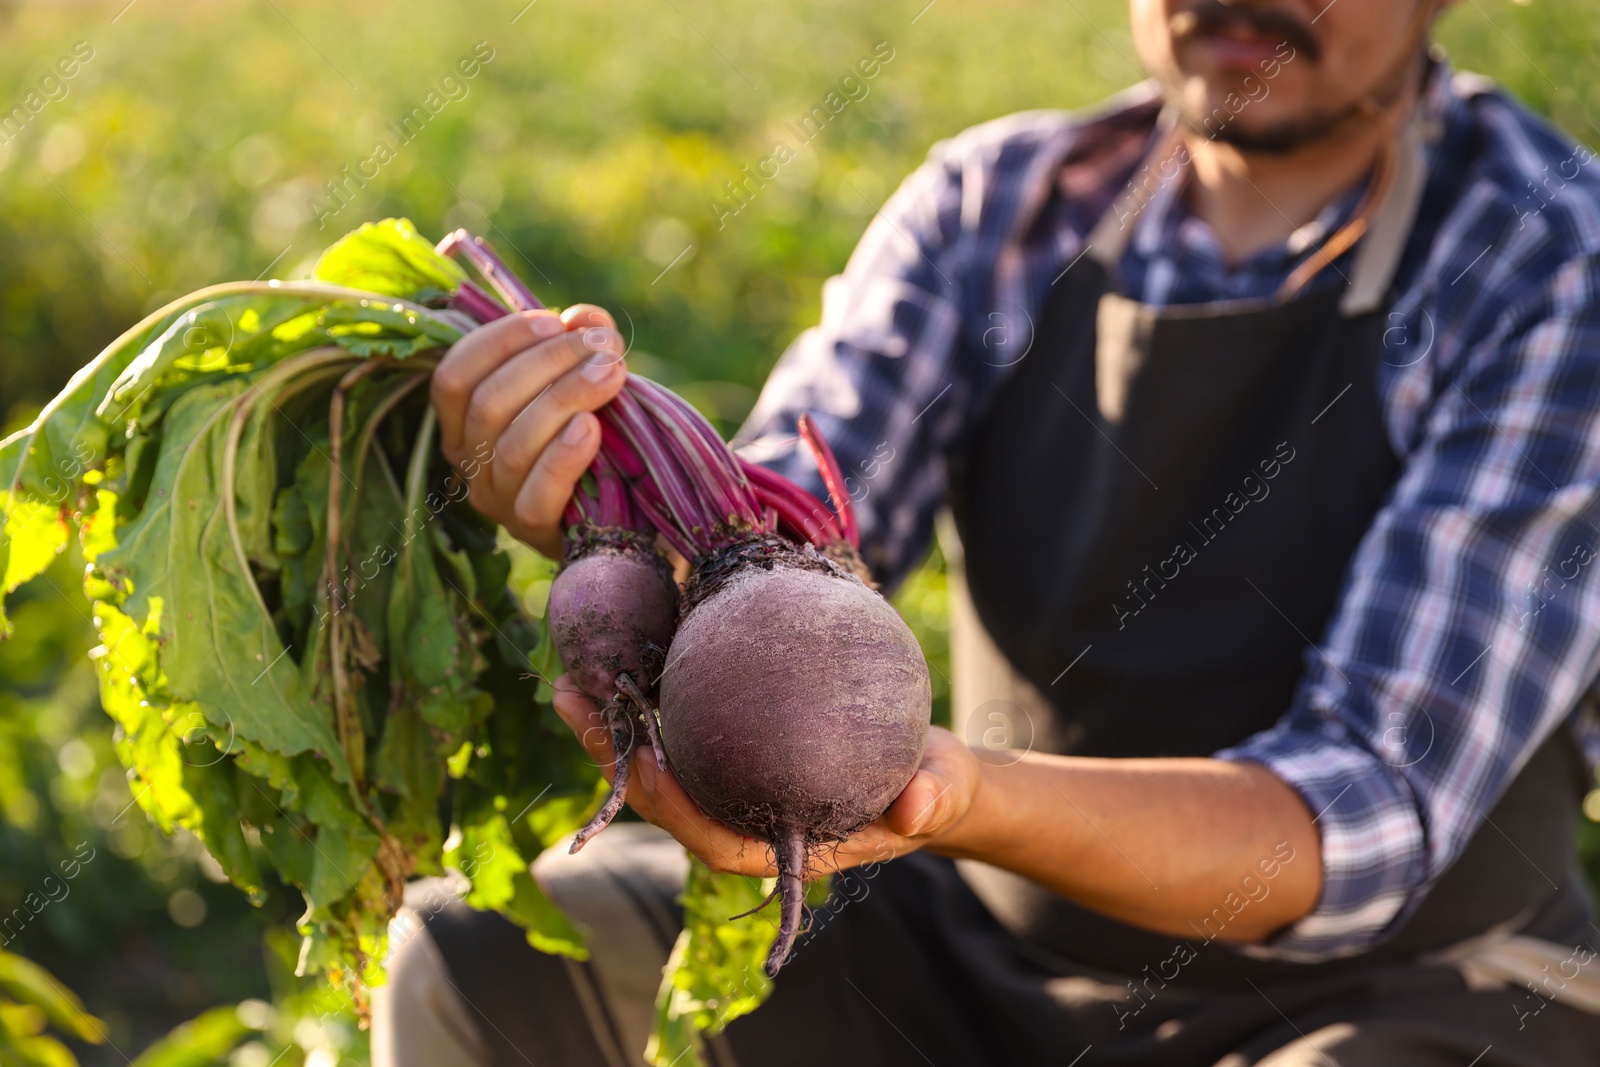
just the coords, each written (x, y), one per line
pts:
(715, 973)
(388, 257)
(178, 563)
(22, 1046)
(200, 1042)
(489, 857)
(31, 534)
(28, 983)
(342, 860)
(194, 457)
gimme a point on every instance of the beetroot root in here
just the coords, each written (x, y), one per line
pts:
(795, 705)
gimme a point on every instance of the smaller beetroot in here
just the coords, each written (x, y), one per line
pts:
(612, 609)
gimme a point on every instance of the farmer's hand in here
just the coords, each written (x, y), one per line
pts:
(931, 806)
(515, 401)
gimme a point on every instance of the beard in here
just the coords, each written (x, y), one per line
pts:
(1293, 133)
(1276, 139)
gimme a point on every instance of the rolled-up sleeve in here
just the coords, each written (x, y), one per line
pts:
(1469, 623)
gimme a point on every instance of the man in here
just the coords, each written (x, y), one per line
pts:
(1264, 402)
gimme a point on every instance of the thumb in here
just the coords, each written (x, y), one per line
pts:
(941, 791)
(925, 805)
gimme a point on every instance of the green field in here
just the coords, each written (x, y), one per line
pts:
(594, 144)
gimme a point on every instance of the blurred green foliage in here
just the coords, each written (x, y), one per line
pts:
(193, 143)
(32, 1002)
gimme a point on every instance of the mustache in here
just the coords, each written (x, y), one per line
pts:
(1207, 17)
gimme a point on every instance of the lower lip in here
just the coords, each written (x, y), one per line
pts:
(1240, 51)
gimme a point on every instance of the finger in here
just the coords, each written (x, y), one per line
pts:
(474, 357)
(718, 846)
(572, 705)
(551, 481)
(925, 805)
(874, 843)
(587, 388)
(578, 316)
(504, 392)
(584, 719)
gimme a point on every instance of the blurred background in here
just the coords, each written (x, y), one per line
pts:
(202, 142)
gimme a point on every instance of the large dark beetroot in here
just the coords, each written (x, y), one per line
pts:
(794, 707)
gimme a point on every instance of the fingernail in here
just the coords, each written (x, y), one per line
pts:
(600, 366)
(544, 326)
(598, 337)
(577, 430)
(922, 819)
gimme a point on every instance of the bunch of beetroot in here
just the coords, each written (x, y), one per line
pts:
(786, 695)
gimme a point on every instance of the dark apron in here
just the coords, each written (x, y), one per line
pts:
(1156, 518)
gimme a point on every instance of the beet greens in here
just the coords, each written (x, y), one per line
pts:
(308, 642)
(310, 651)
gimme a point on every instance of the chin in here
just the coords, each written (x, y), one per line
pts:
(1244, 109)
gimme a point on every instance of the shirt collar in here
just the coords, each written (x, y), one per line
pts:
(1167, 229)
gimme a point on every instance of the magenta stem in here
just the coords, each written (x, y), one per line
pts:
(703, 453)
(615, 507)
(653, 449)
(483, 308)
(577, 513)
(832, 478)
(500, 277)
(795, 507)
(700, 470)
(619, 451)
(648, 500)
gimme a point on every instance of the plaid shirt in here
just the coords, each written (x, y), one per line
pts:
(1468, 625)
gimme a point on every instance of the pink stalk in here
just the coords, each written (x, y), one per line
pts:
(500, 277)
(773, 488)
(620, 452)
(577, 513)
(678, 496)
(483, 308)
(647, 498)
(602, 499)
(698, 421)
(712, 468)
(692, 418)
(793, 505)
(833, 478)
(615, 506)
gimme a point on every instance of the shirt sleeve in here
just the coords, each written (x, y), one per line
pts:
(879, 374)
(1469, 622)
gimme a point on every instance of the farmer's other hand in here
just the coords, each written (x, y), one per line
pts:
(515, 400)
(937, 797)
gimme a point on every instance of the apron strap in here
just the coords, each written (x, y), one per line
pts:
(1379, 229)
(1378, 257)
